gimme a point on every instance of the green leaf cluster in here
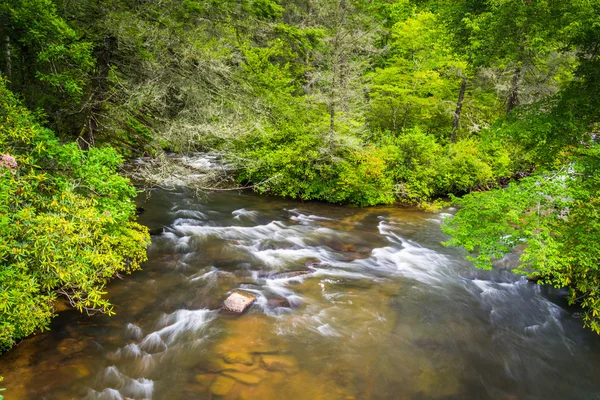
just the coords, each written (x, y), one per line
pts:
(552, 217)
(66, 224)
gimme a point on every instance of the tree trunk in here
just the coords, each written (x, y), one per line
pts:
(7, 55)
(331, 121)
(513, 96)
(5, 29)
(459, 104)
(90, 128)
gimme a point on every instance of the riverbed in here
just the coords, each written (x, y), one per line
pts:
(351, 304)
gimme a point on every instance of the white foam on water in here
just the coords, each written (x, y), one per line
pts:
(142, 362)
(106, 394)
(141, 388)
(188, 221)
(153, 344)
(183, 321)
(133, 331)
(306, 219)
(183, 244)
(327, 330)
(202, 161)
(409, 258)
(341, 273)
(210, 278)
(547, 319)
(130, 350)
(273, 230)
(278, 286)
(112, 377)
(486, 287)
(281, 257)
(191, 214)
(242, 213)
(120, 386)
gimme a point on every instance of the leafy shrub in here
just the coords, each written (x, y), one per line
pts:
(363, 179)
(554, 215)
(304, 167)
(415, 160)
(66, 224)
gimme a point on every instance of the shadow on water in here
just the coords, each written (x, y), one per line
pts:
(351, 304)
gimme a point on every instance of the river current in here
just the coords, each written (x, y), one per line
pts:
(381, 310)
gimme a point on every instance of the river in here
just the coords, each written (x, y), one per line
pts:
(385, 312)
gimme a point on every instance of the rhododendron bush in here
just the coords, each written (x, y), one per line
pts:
(66, 224)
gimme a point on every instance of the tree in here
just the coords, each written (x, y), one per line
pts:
(552, 214)
(417, 85)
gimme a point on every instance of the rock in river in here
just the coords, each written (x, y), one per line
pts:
(248, 379)
(222, 385)
(239, 301)
(238, 357)
(280, 362)
(289, 275)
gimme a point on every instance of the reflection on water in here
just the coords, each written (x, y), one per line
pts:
(351, 304)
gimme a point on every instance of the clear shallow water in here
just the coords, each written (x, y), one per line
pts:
(386, 313)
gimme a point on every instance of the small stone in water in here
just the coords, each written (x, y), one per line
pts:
(222, 385)
(219, 365)
(288, 275)
(238, 357)
(248, 379)
(72, 346)
(205, 379)
(275, 362)
(239, 301)
(279, 302)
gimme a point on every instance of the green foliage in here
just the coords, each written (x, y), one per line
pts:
(419, 80)
(553, 217)
(61, 61)
(423, 169)
(363, 180)
(66, 224)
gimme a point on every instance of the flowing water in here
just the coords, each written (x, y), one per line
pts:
(381, 311)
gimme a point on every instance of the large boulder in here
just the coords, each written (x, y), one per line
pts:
(239, 301)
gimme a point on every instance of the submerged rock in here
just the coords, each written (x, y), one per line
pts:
(205, 379)
(248, 379)
(279, 302)
(222, 385)
(71, 346)
(314, 265)
(290, 274)
(220, 365)
(238, 357)
(239, 301)
(276, 362)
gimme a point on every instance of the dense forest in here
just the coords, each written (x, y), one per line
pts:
(360, 102)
